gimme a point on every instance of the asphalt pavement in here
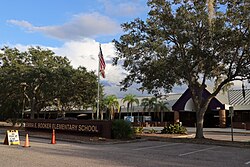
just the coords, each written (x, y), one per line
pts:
(135, 154)
(145, 153)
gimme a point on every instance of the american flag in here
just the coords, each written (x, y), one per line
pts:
(102, 63)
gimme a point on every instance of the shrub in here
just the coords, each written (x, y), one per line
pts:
(121, 129)
(138, 129)
(174, 129)
(13, 121)
(152, 131)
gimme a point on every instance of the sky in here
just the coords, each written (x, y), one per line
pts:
(73, 29)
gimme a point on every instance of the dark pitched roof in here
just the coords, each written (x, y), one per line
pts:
(236, 97)
(181, 102)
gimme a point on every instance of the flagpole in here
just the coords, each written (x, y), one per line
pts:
(98, 89)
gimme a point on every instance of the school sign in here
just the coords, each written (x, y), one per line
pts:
(84, 127)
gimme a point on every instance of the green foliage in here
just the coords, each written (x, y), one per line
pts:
(13, 121)
(174, 129)
(112, 104)
(138, 129)
(39, 76)
(121, 129)
(177, 43)
(149, 104)
(180, 43)
(152, 130)
(130, 99)
(152, 104)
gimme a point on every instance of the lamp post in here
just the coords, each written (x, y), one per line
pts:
(231, 112)
(24, 85)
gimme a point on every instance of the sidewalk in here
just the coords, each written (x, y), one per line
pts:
(220, 134)
(193, 129)
(224, 130)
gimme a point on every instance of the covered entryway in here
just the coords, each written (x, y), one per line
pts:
(184, 111)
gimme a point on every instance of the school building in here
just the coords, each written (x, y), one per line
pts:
(217, 114)
(181, 109)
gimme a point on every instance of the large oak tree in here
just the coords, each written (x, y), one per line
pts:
(181, 42)
(43, 79)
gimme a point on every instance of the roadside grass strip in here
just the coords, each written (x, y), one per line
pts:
(151, 147)
(193, 152)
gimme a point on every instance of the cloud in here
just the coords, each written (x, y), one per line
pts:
(21, 23)
(85, 53)
(80, 27)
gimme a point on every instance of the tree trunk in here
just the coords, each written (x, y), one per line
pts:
(128, 109)
(33, 103)
(199, 124)
(120, 112)
(112, 114)
(101, 115)
(131, 109)
(107, 114)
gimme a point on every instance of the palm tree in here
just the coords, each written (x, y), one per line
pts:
(149, 104)
(145, 104)
(130, 99)
(112, 104)
(93, 111)
(162, 107)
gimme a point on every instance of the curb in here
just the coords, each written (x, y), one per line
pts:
(100, 141)
(247, 132)
(90, 142)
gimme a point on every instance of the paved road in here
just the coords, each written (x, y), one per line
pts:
(138, 154)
